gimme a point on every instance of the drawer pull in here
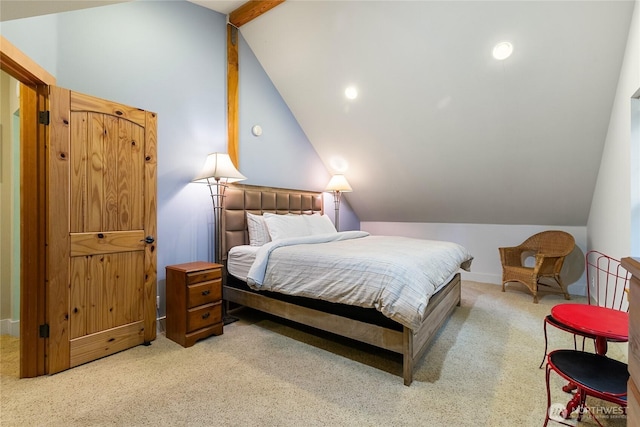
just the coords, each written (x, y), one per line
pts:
(206, 315)
(205, 293)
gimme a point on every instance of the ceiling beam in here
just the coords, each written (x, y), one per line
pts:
(245, 13)
(251, 10)
(232, 93)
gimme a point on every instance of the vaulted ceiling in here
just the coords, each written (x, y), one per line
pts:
(441, 131)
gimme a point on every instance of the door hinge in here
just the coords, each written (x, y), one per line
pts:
(43, 117)
(44, 331)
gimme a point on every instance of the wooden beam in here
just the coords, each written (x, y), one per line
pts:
(251, 10)
(232, 93)
(245, 13)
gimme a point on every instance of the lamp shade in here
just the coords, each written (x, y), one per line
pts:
(219, 166)
(338, 183)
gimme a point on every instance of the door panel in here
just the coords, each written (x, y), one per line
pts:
(107, 242)
(104, 154)
(57, 246)
(130, 163)
(95, 346)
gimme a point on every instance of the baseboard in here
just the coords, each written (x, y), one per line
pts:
(578, 288)
(161, 324)
(10, 327)
(481, 277)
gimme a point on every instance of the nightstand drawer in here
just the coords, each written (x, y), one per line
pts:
(202, 276)
(204, 293)
(194, 302)
(204, 316)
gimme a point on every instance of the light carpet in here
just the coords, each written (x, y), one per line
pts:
(482, 370)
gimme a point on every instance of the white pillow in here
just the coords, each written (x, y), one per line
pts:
(285, 226)
(258, 231)
(319, 224)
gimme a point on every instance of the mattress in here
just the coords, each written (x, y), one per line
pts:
(395, 275)
(240, 259)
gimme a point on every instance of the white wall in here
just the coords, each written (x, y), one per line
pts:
(609, 228)
(483, 241)
(635, 175)
(6, 188)
(609, 225)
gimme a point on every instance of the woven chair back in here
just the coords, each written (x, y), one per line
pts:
(553, 243)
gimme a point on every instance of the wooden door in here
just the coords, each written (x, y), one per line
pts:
(101, 226)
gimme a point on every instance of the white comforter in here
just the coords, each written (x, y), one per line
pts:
(395, 275)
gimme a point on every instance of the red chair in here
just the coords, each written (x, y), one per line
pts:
(607, 283)
(594, 375)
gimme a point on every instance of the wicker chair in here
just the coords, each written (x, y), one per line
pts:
(549, 248)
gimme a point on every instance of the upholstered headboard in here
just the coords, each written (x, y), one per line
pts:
(240, 199)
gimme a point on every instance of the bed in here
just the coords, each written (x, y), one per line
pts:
(368, 325)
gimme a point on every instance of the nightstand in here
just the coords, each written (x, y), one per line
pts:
(194, 301)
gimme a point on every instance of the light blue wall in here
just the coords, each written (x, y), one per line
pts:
(169, 57)
(282, 156)
(36, 37)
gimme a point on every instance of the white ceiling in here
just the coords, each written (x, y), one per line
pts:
(223, 6)
(440, 128)
(442, 132)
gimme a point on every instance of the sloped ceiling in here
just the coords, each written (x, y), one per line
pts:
(441, 131)
(16, 9)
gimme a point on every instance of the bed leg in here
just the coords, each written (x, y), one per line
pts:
(407, 357)
(226, 317)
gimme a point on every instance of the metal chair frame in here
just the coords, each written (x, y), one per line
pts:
(593, 361)
(609, 281)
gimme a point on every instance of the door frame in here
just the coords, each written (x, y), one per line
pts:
(32, 205)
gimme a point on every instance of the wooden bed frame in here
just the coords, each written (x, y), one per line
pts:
(412, 344)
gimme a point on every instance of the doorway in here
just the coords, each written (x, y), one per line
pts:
(32, 293)
(635, 174)
(46, 345)
(10, 202)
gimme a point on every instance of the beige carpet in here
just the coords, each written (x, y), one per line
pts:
(482, 370)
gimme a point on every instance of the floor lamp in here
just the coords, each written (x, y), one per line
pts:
(338, 185)
(218, 171)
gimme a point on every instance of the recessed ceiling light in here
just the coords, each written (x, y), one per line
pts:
(351, 92)
(502, 50)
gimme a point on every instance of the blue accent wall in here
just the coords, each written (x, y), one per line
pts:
(282, 156)
(169, 57)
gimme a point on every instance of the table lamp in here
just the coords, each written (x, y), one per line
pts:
(338, 185)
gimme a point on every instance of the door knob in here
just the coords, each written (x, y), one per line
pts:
(148, 240)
